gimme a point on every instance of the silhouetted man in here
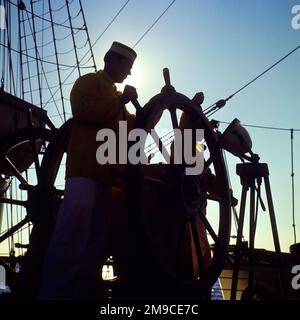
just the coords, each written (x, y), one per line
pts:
(79, 243)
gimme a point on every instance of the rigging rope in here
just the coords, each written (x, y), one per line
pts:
(39, 17)
(41, 60)
(111, 22)
(57, 62)
(87, 32)
(293, 185)
(32, 29)
(262, 127)
(73, 38)
(43, 25)
(92, 45)
(8, 32)
(209, 111)
(27, 58)
(49, 27)
(44, 74)
(153, 24)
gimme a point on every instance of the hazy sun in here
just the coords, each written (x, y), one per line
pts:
(133, 80)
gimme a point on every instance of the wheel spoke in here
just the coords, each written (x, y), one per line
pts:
(15, 171)
(13, 201)
(160, 145)
(13, 229)
(21, 245)
(208, 227)
(174, 118)
(207, 164)
(178, 150)
(196, 241)
(36, 158)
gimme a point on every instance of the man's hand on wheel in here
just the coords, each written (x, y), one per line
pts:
(129, 94)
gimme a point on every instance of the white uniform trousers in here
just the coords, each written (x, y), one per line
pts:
(80, 239)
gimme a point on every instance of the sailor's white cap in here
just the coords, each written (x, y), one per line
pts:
(123, 50)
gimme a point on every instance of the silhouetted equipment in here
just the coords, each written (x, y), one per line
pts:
(235, 139)
(252, 175)
(295, 249)
(14, 114)
(17, 114)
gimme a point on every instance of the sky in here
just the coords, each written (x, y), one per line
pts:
(218, 46)
(215, 46)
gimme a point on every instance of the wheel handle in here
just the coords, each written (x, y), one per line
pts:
(168, 88)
